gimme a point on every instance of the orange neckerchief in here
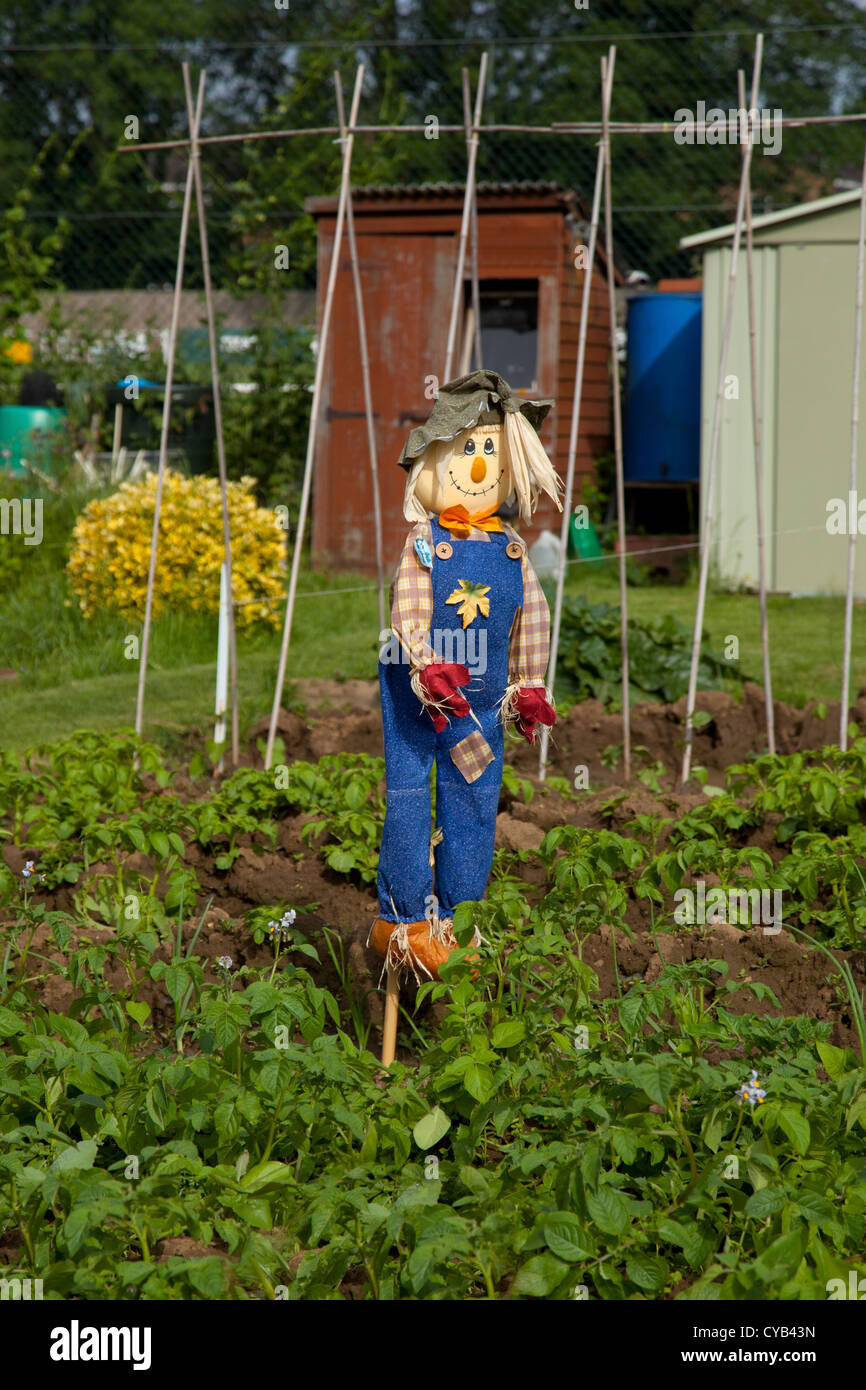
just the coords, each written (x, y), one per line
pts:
(460, 522)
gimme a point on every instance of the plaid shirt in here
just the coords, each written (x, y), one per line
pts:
(412, 612)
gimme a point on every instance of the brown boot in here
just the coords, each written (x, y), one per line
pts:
(409, 944)
(381, 935)
(414, 944)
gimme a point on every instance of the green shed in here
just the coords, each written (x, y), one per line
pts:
(805, 262)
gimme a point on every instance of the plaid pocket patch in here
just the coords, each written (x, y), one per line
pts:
(472, 755)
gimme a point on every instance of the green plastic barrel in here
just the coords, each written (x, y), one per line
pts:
(25, 432)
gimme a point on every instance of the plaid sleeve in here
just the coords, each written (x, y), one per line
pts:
(530, 637)
(412, 604)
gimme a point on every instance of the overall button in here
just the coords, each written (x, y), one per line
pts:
(514, 550)
(444, 551)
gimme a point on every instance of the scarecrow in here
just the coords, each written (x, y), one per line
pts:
(466, 659)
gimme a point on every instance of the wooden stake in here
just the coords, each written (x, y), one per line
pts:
(468, 197)
(118, 435)
(617, 420)
(473, 232)
(706, 537)
(852, 469)
(575, 425)
(365, 372)
(392, 1009)
(314, 415)
(166, 416)
(218, 419)
(756, 433)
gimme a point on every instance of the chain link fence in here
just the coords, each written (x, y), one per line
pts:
(122, 211)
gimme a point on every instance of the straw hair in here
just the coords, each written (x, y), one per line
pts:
(412, 509)
(531, 470)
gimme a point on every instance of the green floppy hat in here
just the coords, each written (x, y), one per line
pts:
(481, 398)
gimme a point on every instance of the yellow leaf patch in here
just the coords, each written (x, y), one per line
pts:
(472, 600)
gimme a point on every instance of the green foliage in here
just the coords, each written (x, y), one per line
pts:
(521, 787)
(545, 1139)
(809, 791)
(343, 794)
(413, 54)
(265, 429)
(27, 266)
(659, 651)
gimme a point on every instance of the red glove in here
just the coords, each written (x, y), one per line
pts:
(532, 709)
(440, 683)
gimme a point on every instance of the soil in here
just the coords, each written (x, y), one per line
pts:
(344, 717)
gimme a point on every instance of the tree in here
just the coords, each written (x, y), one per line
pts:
(78, 72)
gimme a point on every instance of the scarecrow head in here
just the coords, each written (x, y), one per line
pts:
(479, 446)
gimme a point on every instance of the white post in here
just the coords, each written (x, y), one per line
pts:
(166, 415)
(468, 198)
(617, 420)
(706, 537)
(218, 413)
(314, 415)
(575, 421)
(756, 433)
(473, 231)
(852, 469)
(222, 670)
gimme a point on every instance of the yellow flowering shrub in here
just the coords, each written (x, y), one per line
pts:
(111, 550)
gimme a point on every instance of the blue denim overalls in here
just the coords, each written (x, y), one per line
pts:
(465, 811)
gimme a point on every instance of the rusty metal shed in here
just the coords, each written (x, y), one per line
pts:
(530, 309)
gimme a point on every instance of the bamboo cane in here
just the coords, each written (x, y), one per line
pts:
(392, 1008)
(706, 537)
(314, 415)
(575, 427)
(617, 421)
(473, 231)
(555, 128)
(852, 470)
(756, 432)
(468, 196)
(218, 418)
(117, 436)
(365, 371)
(166, 416)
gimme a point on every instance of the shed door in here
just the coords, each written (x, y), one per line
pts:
(407, 282)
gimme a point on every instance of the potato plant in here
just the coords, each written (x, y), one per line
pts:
(541, 1141)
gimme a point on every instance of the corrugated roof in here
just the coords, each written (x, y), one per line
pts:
(455, 190)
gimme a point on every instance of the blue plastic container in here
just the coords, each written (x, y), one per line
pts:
(662, 440)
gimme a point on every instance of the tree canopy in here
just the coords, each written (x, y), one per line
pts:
(71, 76)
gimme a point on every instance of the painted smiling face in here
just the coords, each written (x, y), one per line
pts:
(471, 470)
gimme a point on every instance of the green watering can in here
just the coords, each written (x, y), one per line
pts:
(583, 542)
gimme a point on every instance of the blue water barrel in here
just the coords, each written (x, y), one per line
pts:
(663, 389)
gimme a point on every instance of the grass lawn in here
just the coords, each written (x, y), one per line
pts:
(73, 673)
